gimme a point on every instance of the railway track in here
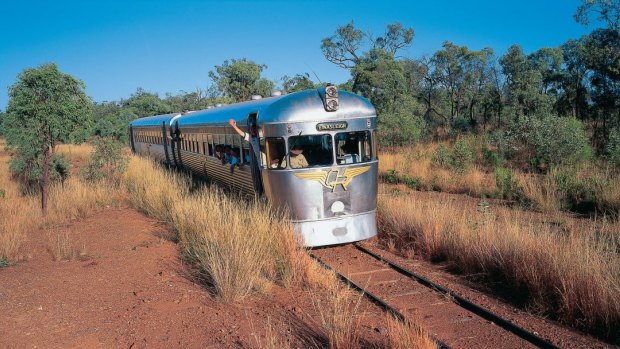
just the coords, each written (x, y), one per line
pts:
(452, 320)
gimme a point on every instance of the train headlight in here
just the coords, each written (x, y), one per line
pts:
(331, 98)
(337, 207)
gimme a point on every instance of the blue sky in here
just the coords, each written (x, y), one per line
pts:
(169, 46)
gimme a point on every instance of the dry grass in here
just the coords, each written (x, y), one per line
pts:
(340, 317)
(416, 161)
(407, 336)
(21, 214)
(240, 246)
(564, 269)
(76, 153)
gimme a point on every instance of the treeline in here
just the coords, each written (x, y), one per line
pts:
(553, 96)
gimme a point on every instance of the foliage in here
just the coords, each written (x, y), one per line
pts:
(46, 107)
(613, 148)
(240, 79)
(106, 162)
(299, 82)
(507, 186)
(551, 140)
(143, 103)
(114, 125)
(459, 158)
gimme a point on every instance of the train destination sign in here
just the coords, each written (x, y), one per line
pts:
(328, 126)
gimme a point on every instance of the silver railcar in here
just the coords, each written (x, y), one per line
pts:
(313, 152)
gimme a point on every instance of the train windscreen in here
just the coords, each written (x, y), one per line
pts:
(310, 151)
(353, 147)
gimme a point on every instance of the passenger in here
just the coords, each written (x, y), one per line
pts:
(246, 136)
(219, 153)
(298, 160)
(227, 155)
(234, 160)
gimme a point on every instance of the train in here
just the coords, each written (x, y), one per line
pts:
(313, 152)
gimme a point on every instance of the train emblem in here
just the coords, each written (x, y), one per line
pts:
(331, 178)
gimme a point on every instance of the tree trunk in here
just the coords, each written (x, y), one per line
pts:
(46, 180)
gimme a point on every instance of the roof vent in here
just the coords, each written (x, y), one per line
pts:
(256, 97)
(218, 105)
(276, 93)
(209, 107)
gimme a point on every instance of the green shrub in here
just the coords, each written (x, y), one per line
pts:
(3, 263)
(412, 182)
(550, 140)
(391, 177)
(106, 162)
(461, 125)
(442, 156)
(463, 156)
(613, 148)
(507, 186)
(2, 193)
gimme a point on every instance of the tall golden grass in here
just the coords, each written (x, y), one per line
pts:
(406, 336)
(21, 213)
(591, 183)
(416, 161)
(240, 246)
(570, 271)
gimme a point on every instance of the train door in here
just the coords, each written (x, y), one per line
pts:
(255, 158)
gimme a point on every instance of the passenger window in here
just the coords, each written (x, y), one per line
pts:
(309, 151)
(276, 153)
(353, 147)
(209, 144)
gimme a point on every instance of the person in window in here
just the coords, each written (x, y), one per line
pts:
(219, 153)
(298, 160)
(227, 155)
(234, 160)
(246, 136)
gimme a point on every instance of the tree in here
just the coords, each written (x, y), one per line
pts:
(524, 84)
(607, 11)
(46, 107)
(239, 79)
(298, 82)
(143, 103)
(2, 117)
(343, 48)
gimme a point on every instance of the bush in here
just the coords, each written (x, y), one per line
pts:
(106, 162)
(441, 156)
(507, 186)
(412, 182)
(463, 155)
(549, 140)
(460, 158)
(391, 177)
(613, 148)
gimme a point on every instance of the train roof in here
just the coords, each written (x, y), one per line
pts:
(295, 107)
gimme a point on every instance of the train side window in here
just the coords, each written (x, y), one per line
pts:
(276, 153)
(353, 147)
(209, 144)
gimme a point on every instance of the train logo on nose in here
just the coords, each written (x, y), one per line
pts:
(334, 177)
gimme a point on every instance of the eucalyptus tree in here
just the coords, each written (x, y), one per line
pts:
(524, 84)
(46, 107)
(606, 11)
(349, 45)
(239, 79)
(299, 82)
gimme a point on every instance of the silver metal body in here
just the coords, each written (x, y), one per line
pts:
(310, 194)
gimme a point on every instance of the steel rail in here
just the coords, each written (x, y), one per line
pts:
(466, 304)
(376, 300)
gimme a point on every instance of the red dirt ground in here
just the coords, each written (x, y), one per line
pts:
(132, 291)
